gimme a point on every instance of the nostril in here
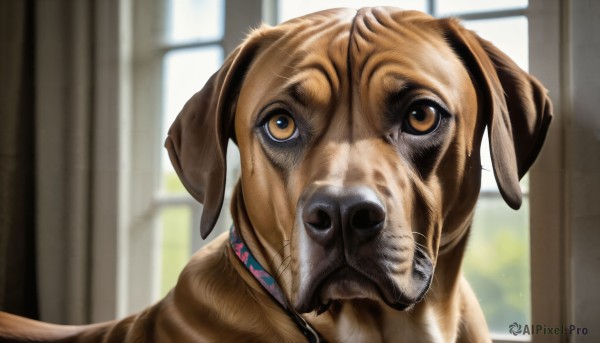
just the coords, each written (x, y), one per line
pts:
(319, 219)
(361, 219)
(367, 218)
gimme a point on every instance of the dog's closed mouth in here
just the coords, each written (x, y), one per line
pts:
(347, 283)
(343, 283)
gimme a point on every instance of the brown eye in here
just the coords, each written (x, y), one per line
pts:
(422, 119)
(281, 127)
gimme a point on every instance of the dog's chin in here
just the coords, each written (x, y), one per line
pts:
(348, 284)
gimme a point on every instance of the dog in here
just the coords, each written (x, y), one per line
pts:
(359, 135)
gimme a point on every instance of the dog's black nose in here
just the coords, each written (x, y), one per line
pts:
(356, 213)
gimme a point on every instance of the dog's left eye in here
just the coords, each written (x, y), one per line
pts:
(281, 127)
(422, 119)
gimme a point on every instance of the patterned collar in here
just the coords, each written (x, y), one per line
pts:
(269, 284)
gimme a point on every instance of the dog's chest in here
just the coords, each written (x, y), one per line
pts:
(355, 326)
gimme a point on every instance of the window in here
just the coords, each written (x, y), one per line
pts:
(193, 51)
(179, 45)
(192, 46)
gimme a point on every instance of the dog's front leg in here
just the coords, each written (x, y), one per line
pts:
(473, 327)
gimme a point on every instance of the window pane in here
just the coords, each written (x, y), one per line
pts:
(497, 263)
(176, 242)
(194, 20)
(289, 9)
(511, 35)
(445, 7)
(185, 73)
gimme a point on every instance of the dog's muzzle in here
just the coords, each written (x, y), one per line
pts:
(348, 250)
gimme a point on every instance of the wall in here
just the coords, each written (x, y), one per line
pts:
(583, 161)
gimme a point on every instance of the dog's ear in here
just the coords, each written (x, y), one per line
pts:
(197, 139)
(516, 106)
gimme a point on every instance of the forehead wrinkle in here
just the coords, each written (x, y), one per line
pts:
(407, 53)
(325, 68)
(400, 33)
(318, 39)
(304, 30)
(436, 75)
(336, 53)
(442, 79)
(321, 67)
(303, 38)
(303, 47)
(398, 82)
(308, 91)
(349, 63)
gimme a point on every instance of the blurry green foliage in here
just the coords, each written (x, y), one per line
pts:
(176, 236)
(172, 184)
(175, 245)
(497, 263)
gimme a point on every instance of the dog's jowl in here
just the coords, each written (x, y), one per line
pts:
(359, 135)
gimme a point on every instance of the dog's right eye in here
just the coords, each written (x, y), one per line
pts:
(422, 119)
(281, 127)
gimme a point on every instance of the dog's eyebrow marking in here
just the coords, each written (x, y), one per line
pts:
(398, 93)
(310, 91)
(398, 86)
(327, 71)
(296, 93)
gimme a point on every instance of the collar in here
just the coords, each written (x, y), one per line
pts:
(269, 284)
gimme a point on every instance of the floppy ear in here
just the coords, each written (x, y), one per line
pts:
(197, 139)
(516, 106)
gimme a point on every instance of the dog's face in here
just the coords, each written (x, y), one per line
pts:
(359, 140)
(347, 141)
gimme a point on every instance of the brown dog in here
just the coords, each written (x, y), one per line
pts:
(359, 136)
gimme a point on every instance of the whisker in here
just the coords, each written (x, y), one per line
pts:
(283, 77)
(288, 53)
(420, 246)
(278, 252)
(289, 261)
(420, 234)
(437, 282)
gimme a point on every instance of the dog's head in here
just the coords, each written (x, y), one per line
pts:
(359, 137)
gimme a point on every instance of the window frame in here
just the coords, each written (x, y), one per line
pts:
(548, 205)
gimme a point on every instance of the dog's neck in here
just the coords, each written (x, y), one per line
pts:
(377, 321)
(261, 249)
